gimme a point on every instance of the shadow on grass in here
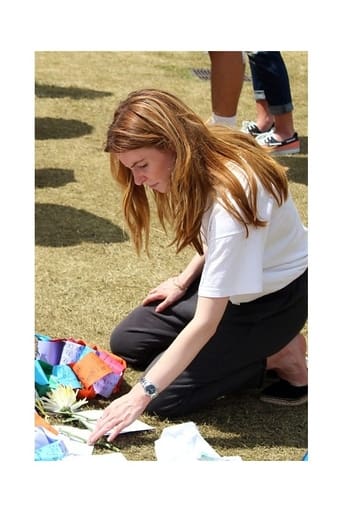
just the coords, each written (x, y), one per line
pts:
(57, 128)
(236, 422)
(76, 93)
(297, 164)
(61, 226)
(52, 177)
(241, 418)
(246, 421)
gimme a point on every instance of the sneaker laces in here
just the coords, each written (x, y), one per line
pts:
(252, 128)
(269, 139)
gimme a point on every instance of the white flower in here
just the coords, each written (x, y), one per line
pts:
(63, 399)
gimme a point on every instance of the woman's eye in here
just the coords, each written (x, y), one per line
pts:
(141, 166)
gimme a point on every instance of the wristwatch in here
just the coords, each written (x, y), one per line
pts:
(149, 388)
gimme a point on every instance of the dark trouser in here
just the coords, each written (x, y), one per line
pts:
(271, 81)
(233, 359)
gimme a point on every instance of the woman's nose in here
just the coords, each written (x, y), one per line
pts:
(139, 178)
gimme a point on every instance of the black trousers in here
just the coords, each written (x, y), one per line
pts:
(233, 359)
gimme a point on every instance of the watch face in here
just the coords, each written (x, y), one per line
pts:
(150, 389)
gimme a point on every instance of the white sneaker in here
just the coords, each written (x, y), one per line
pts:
(252, 128)
(288, 146)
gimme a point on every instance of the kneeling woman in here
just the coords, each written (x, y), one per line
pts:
(238, 307)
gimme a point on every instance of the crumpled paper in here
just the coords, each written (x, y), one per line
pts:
(48, 446)
(184, 443)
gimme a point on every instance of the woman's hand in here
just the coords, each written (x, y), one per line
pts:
(169, 292)
(119, 414)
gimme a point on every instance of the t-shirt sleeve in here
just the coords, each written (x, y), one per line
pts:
(234, 262)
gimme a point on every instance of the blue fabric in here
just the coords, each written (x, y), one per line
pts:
(271, 81)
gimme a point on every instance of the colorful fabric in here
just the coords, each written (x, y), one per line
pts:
(76, 363)
(47, 442)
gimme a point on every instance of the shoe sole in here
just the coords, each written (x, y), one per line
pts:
(283, 151)
(283, 401)
(288, 149)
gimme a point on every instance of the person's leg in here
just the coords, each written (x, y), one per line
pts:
(227, 74)
(272, 73)
(269, 74)
(235, 357)
(144, 334)
(264, 118)
(290, 362)
(273, 101)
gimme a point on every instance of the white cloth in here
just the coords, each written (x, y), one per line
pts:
(184, 443)
(267, 260)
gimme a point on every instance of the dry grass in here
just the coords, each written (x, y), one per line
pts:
(87, 276)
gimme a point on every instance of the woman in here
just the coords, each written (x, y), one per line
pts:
(238, 308)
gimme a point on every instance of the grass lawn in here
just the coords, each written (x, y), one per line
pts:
(87, 275)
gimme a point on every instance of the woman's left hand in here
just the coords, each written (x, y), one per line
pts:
(119, 414)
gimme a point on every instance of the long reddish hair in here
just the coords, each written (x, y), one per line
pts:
(154, 118)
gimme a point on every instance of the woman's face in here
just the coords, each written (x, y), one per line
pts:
(150, 167)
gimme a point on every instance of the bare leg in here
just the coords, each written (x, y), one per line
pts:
(284, 127)
(227, 73)
(290, 362)
(264, 118)
(283, 123)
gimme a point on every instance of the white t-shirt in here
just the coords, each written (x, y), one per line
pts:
(271, 257)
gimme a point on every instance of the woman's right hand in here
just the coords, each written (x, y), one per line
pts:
(168, 292)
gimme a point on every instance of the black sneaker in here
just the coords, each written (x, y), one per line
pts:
(283, 393)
